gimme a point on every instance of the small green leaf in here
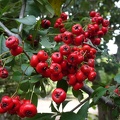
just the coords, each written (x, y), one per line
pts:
(62, 84)
(78, 94)
(35, 78)
(83, 112)
(35, 99)
(29, 20)
(42, 116)
(27, 69)
(69, 116)
(17, 76)
(3, 48)
(53, 109)
(117, 78)
(98, 93)
(25, 86)
(45, 42)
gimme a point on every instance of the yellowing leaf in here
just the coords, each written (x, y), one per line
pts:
(56, 4)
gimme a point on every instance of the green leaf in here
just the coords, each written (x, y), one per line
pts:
(69, 116)
(17, 76)
(3, 48)
(83, 112)
(117, 78)
(29, 20)
(98, 93)
(25, 86)
(42, 116)
(45, 42)
(78, 94)
(53, 109)
(62, 84)
(35, 99)
(43, 90)
(35, 78)
(27, 69)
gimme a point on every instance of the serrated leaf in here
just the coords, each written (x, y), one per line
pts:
(17, 76)
(27, 69)
(117, 78)
(45, 42)
(62, 84)
(83, 112)
(3, 48)
(69, 116)
(29, 20)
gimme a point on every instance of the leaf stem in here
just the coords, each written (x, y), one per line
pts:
(80, 104)
(4, 53)
(32, 93)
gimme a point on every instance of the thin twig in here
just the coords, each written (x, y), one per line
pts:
(80, 104)
(9, 33)
(105, 100)
(21, 15)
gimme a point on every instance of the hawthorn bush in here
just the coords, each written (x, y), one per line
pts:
(50, 47)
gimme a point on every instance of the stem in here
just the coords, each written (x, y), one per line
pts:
(21, 15)
(4, 53)
(26, 54)
(80, 104)
(15, 91)
(105, 100)
(9, 32)
(32, 93)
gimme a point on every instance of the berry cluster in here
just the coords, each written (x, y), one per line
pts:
(75, 59)
(13, 44)
(23, 108)
(3, 71)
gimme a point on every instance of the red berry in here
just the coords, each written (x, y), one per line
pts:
(77, 29)
(55, 68)
(63, 16)
(80, 76)
(78, 40)
(42, 55)
(6, 103)
(92, 75)
(65, 49)
(34, 61)
(45, 23)
(12, 42)
(58, 95)
(16, 51)
(71, 79)
(92, 13)
(105, 23)
(57, 57)
(78, 86)
(3, 72)
(28, 110)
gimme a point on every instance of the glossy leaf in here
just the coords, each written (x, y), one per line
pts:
(78, 94)
(69, 116)
(83, 112)
(25, 86)
(17, 76)
(3, 48)
(117, 78)
(29, 20)
(62, 84)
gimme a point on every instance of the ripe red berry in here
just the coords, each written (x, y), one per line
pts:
(92, 75)
(34, 60)
(58, 95)
(57, 57)
(105, 23)
(71, 79)
(77, 29)
(45, 23)
(28, 110)
(63, 16)
(6, 103)
(92, 13)
(65, 49)
(3, 72)
(80, 76)
(12, 42)
(55, 68)
(78, 40)
(42, 55)
(16, 51)
(78, 86)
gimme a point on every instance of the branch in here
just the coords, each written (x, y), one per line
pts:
(21, 15)
(80, 104)
(107, 101)
(9, 33)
